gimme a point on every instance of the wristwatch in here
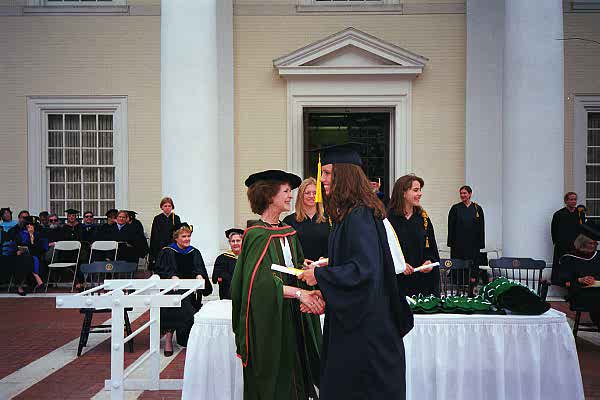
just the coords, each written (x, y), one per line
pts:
(298, 294)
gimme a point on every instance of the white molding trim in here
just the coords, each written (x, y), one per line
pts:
(39, 106)
(400, 136)
(394, 60)
(582, 106)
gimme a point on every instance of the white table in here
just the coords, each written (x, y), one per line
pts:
(447, 357)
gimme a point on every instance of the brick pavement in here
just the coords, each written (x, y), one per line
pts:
(33, 327)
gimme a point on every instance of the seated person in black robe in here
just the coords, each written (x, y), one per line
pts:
(88, 228)
(225, 263)
(416, 237)
(180, 260)
(366, 316)
(581, 271)
(162, 225)
(72, 227)
(130, 247)
(14, 266)
(310, 222)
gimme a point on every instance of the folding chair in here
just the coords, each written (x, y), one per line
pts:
(455, 277)
(526, 271)
(104, 245)
(95, 273)
(64, 245)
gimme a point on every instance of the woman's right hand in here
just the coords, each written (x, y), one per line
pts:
(307, 264)
(312, 301)
(587, 280)
(409, 269)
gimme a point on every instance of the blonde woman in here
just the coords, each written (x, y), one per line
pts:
(310, 221)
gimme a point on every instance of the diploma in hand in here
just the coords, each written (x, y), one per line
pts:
(286, 270)
(320, 263)
(435, 264)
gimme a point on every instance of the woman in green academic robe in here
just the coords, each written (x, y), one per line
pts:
(277, 343)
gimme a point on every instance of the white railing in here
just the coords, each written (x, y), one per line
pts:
(152, 293)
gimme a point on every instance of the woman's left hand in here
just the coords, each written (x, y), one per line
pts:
(308, 276)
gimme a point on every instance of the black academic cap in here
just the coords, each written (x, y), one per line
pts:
(31, 220)
(112, 211)
(274, 175)
(347, 153)
(181, 225)
(228, 232)
(44, 214)
(132, 214)
(590, 230)
(581, 208)
(71, 211)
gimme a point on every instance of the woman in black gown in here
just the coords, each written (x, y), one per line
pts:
(416, 236)
(180, 260)
(162, 226)
(310, 222)
(225, 263)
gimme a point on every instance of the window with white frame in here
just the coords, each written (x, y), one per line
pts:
(80, 168)
(77, 153)
(593, 166)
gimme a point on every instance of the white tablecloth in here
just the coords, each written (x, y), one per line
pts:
(447, 357)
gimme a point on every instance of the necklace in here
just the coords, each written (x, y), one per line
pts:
(270, 224)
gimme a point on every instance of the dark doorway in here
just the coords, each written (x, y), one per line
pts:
(371, 127)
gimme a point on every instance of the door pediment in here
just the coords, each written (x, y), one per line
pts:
(350, 52)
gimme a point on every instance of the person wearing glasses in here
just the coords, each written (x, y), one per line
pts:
(88, 227)
(310, 222)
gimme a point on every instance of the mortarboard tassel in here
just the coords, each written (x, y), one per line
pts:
(319, 194)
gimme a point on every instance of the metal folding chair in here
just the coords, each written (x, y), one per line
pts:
(105, 246)
(64, 245)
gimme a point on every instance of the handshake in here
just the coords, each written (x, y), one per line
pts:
(311, 301)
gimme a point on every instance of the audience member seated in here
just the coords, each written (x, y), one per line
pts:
(30, 242)
(44, 217)
(16, 230)
(88, 228)
(181, 260)
(581, 270)
(130, 248)
(7, 222)
(162, 225)
(138, 228)
(12, 266)
(225, 263)
(53, 233)
(103, 230)
(72, 227)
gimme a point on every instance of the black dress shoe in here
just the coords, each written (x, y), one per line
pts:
(168, 353)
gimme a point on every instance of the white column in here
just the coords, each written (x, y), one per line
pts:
(533, 126)
(196, 137)
(483, 142)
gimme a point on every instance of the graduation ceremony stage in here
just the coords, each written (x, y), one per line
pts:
(448, 356)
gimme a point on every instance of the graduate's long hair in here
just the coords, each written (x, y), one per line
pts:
(404, 183)
(300, 213)
(350, 188)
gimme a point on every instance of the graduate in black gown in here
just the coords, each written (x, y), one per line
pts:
(162, 225)
(140, 236)
(564, 230)
(366, 316)
(180, 260)
(103, 231)
(225, 263)
(130, 248)
(416, 235)
(310, 222)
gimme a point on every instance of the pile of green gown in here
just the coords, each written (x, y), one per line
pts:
(496, 297)
(513, 296)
